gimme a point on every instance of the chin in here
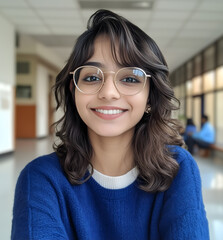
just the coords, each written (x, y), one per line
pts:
(112, 132)
(108, 134)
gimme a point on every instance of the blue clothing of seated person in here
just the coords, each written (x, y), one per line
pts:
(190, 129)
(204, 138)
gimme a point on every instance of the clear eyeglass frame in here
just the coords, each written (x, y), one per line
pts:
(114, 79)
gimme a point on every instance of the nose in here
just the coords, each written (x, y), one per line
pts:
(109, 90)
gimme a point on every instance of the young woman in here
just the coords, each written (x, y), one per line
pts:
(119, 171)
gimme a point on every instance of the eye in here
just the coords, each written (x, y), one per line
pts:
(91, 79)
(129, 80)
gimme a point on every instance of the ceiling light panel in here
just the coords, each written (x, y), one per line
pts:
(109, 4)
(54, 4)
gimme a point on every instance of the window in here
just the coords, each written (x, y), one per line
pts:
(23, 68)
(23, 91)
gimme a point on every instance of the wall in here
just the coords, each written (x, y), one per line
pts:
(7, 82)
(42, 101)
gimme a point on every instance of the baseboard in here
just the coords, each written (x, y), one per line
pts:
(5, 155)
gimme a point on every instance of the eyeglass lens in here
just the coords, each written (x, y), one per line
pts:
(128, 81)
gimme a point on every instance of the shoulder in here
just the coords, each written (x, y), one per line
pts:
(39, 199)
(43, 167)
(183, 208)
(188, 166)
(42, 177)
(207, 125)
(182, 156)
(49, 162)
(186, 185)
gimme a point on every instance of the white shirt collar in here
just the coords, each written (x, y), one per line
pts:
(118, 182)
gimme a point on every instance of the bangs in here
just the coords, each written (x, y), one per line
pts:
(124, 47)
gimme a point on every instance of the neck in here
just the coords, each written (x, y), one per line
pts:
(113, 156)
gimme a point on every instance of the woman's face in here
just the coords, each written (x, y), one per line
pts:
(108, 113)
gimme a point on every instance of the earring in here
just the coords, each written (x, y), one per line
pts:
(148, 109)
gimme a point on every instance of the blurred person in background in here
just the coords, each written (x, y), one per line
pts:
(120, 171)
(203, 138)
(189, 129)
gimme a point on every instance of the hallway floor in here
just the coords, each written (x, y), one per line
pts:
(26, 150)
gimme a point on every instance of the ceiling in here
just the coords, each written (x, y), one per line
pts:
(181, 28)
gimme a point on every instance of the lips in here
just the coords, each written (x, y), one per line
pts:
(108, 112)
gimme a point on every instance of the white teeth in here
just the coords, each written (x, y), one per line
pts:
(109, 112)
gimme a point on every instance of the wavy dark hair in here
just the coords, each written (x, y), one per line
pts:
(154, 133)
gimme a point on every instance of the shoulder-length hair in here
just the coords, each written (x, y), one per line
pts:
(155, 132)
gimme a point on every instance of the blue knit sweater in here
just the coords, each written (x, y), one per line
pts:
(48, 207)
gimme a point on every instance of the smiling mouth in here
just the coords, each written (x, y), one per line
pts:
(109, 112)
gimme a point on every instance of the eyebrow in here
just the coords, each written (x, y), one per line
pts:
(96, 64)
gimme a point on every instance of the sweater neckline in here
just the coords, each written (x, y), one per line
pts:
(117, 182)
(115, 193)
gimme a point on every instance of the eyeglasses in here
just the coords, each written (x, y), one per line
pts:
(128, 81)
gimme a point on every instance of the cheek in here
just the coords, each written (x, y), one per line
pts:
(143, 100)
(140, 104)
(140, 108)
(80, 103)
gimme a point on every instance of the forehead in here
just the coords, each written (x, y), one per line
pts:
(104, 51)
